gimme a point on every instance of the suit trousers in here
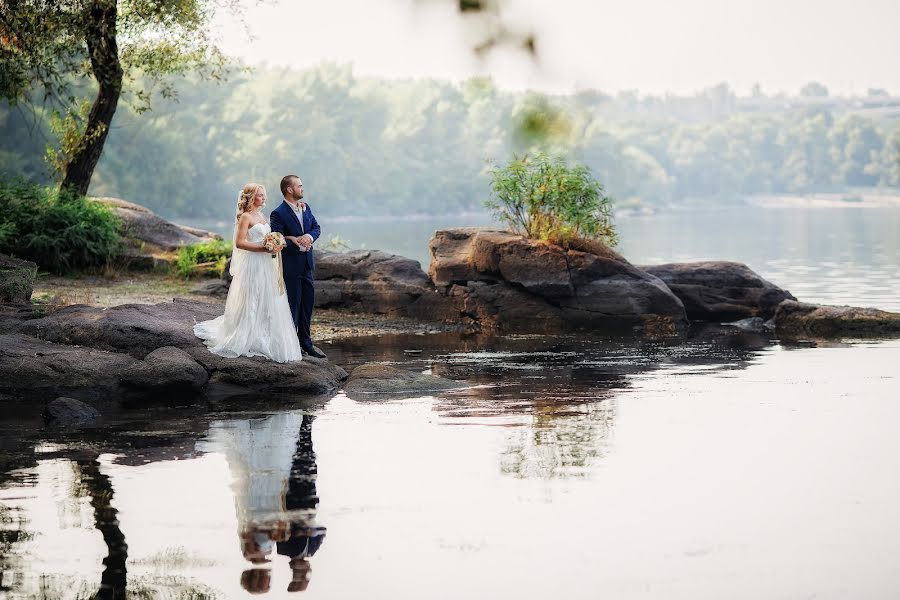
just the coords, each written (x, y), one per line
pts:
(299, 285)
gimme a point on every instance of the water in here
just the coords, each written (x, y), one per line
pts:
(847, 255)
(720, 465)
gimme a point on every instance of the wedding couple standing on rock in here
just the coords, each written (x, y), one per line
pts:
(270, 301)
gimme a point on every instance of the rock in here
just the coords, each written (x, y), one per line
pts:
(752, 325)
(32, 368)
(135, 329)
(369, 281)
(151, 241)
(372, 380)
(142, 224)
(720, 290)
(16, 279)
(167, 369)
(13, 315)
(240, 375)
(499, 280)
(215, 288)
(69, 411)
(799, 318)
(163, 333)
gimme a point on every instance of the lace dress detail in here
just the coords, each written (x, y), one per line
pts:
(257, 319)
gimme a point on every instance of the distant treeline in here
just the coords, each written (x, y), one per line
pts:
(365, 145)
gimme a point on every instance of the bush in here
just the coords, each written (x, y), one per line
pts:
(543, 198)
(59, 230)
(204, 258)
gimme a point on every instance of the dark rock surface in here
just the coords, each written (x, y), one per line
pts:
(720, 290)
(33, 368)
(803, 319)
(376, 380)
(167, 369)
(135, 329)
(369, 281)
(136, 348)
(64, 412)
(499, 280)
(151, 241)
(142, 224)
(16, 279)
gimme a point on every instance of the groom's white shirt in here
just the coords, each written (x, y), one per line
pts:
(299, 210)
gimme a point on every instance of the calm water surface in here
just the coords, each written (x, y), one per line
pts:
(721, 465)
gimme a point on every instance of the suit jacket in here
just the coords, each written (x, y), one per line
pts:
(284, 220)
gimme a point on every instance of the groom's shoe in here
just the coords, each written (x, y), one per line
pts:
(313, 351)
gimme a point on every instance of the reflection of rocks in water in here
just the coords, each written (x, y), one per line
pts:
(561, 441)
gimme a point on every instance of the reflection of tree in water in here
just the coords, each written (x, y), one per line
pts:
(561, 441)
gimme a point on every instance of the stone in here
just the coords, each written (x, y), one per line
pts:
(142, 342)
(16, 279)
(720, 290)
(376, 380)
(64, 412)
(802, 319)
(33, 368)
(752, 325)
(135, 329)
(369, 281)
(142, 224)
(500, 280)
(167, 369)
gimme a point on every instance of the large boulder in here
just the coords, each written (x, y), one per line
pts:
(720, 290)
(499, 280)
(169, 370)
(135, 329)
(16, 279)
(150, 239)
(803, 319)
(33, 369)
(152, 348)
(369, 281)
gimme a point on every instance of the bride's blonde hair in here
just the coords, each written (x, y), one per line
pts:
(245, 199)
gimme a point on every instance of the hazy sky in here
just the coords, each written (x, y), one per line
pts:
(652, 46)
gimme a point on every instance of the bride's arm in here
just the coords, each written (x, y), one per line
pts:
(242, 242)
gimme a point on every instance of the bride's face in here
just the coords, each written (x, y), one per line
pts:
(259, 200)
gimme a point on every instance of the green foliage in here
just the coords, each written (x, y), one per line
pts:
(204, 258)
(372, 146)
(59, 231)
(544, 198)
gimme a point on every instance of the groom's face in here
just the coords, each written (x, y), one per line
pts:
(297, 189)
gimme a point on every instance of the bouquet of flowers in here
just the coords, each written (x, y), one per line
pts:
(273, 242)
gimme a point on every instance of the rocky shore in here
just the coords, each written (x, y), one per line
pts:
(479, 281)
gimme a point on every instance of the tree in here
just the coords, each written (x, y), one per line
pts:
(543, 198)
(814, 89)
(52, 45)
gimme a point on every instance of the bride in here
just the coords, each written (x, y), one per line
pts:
(257, 319)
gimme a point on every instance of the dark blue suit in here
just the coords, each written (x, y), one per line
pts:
(299, 266)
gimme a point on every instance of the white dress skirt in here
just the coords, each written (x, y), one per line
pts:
(257, 319)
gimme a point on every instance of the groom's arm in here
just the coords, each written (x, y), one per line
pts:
(314, 229)
(276, 223)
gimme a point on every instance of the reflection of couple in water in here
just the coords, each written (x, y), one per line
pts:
(274, 470)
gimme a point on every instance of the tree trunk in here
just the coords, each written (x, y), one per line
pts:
(114, 579)
(100, 33)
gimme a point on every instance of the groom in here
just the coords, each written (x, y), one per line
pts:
(294, 220)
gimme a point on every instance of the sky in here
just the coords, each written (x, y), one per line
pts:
(650, 46)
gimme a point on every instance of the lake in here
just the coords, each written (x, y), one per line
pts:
(716, 465)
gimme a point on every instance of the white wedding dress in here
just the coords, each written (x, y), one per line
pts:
(257, 319)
